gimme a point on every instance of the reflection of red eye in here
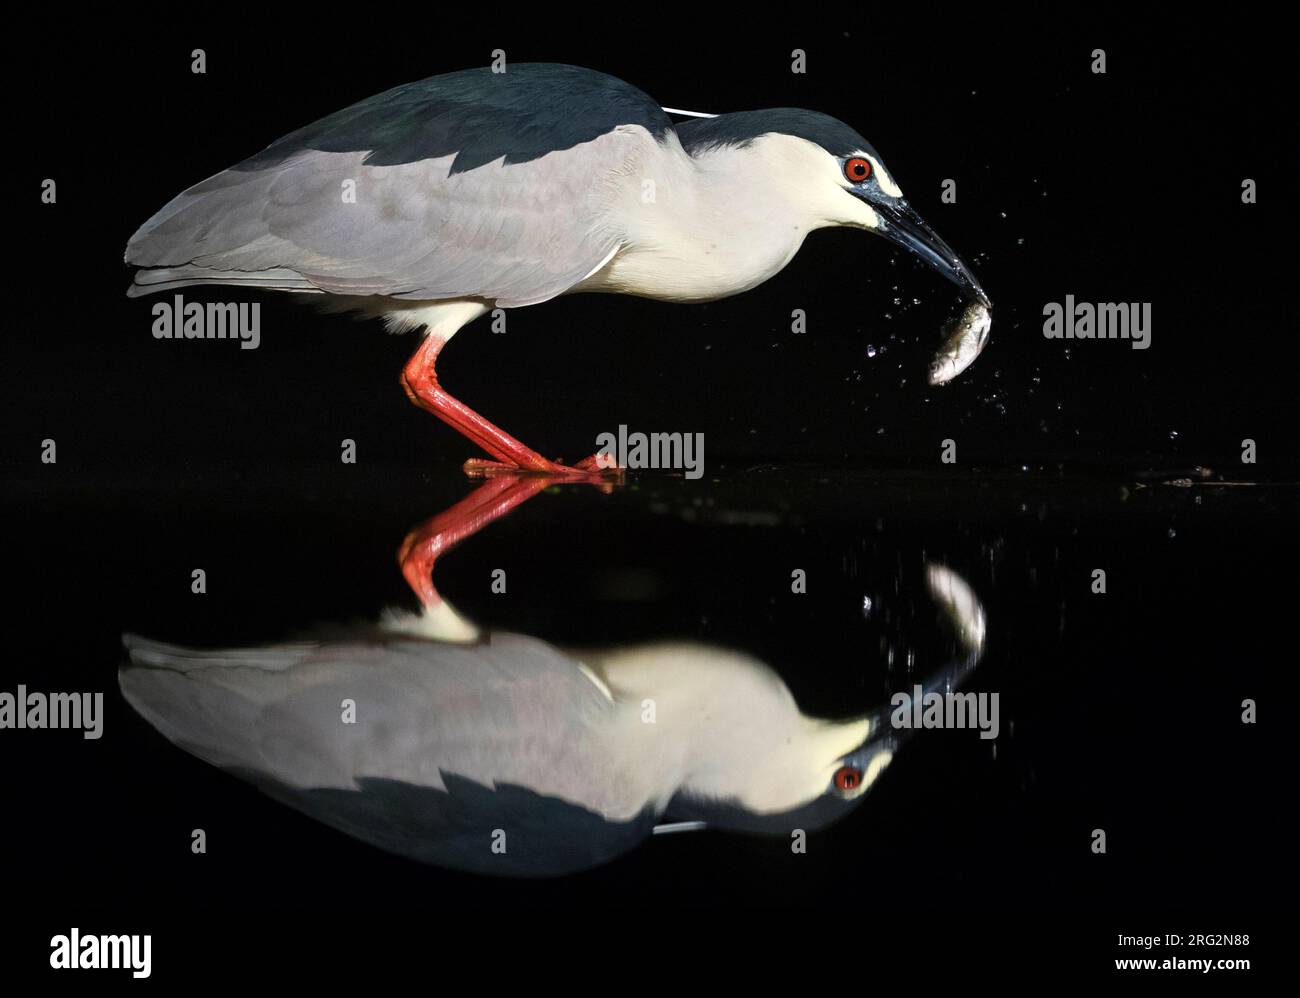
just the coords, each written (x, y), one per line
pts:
(857, 169)
(847, 778)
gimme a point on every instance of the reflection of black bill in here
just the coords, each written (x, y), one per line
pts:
(901, 225)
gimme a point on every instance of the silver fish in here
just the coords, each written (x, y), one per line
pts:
(968, 336)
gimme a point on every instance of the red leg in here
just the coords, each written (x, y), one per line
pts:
(421, 384)
(420, 381)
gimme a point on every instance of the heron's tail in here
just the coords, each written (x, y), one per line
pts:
(149, 280)
(204, 701)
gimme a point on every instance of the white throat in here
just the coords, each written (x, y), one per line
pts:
(723, 221)
(718, 725)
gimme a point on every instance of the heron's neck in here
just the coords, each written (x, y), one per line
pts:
(713, 224)
(716, 724)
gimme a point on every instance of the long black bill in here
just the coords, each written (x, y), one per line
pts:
(901, 225)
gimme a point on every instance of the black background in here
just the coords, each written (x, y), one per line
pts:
(1122, 187)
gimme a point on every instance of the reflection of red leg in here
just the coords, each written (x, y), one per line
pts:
(490, 501)
(421, 383)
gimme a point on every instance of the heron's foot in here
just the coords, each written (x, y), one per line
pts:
(596, 469)
(601, 464)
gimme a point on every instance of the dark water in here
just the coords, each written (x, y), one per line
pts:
(1118, 711)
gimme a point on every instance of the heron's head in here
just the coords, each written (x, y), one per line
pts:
(833, 176)
(761, 765)
(810, 781)
(745, 756)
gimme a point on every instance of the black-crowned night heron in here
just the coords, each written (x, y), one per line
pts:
(437, 201)
(498, 753)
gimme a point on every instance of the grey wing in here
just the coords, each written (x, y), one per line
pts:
(508, 711)
(467, 185)
(325, 221)
(450, 745)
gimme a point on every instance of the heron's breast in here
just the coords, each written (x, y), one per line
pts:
(702, 267)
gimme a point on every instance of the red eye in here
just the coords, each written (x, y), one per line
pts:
(857, 169)
(847, 778)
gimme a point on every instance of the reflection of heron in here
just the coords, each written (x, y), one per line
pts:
(437, 201)
(499, 753)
